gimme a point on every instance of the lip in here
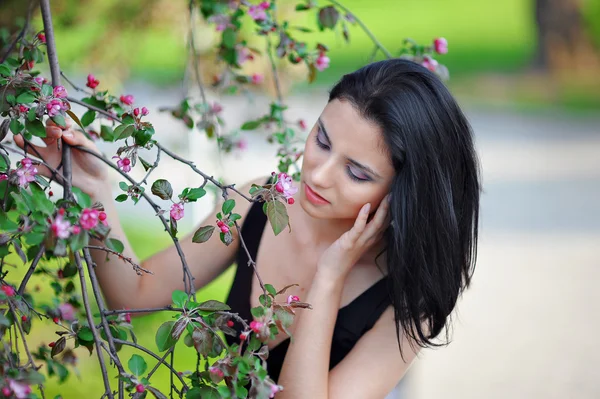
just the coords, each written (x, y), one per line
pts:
(313, 197)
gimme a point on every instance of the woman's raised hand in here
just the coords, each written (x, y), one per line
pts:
(88, 173)
(339, 258)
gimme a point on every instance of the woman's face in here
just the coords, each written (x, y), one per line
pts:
(345, 163)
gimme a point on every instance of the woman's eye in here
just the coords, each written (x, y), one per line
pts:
(319, 142)
(356, 175)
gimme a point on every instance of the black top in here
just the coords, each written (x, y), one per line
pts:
(353, 320)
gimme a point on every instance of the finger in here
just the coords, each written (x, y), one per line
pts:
(36, 151)
(380, 219)
(360, 223)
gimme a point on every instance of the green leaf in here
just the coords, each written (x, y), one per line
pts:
(195, 194)
(203, 234)
(107, 133)
(240, 391)
(145, 164)
(34, 238)
(47, 90)
(75, 118)
(213, 306)
(85, 334)
(228, 206)
(251, 125)
(78, 241)
(4, 70)
(179, 298)
(163, 339)
(123, 131)
(137, 365)
(278, 217)
(302, 7)
(15, 126)
(258, 311)
(31, 114)
(59, 120)
(88, 118)
(115, 245)
(270, 289)
(229, 38)
(205, 392)
(26, 98)
(123, 186)
(84, 200)
(162, 189)
(157, 394)
(35, 127)
(121, 197)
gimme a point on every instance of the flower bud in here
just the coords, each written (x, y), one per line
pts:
(41, 37)
(230, 323)
(136, 112)
(224, 229)
(127, 99)
(139, 388)
(291, 201)
(145, 111)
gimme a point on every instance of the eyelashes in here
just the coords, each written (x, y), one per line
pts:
(324, 146)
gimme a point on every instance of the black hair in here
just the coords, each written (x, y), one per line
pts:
(431, 244)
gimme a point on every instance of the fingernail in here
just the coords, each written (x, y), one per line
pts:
(367, 208)
(67, 134)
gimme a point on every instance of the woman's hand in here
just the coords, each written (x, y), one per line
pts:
(89, 173)
(339, 258)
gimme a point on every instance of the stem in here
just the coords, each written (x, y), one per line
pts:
(251, 262)
(92, 326)
(22, 33)
(143, 310)
(364, 28)
(29, 273)
(138, 269)
(195, 59)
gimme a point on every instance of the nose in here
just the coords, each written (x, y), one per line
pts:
(324, 173)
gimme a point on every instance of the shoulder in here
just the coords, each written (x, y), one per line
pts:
(378, 354)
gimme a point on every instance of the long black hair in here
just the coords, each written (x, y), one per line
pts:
(431, 244)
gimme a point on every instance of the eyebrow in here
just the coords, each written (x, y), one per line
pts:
(352, 161)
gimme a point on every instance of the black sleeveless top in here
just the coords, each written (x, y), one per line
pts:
(353, 320)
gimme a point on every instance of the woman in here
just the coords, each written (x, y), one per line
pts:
(383, 241)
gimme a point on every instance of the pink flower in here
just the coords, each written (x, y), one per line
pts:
(216, 371)
(256, 326)
(139, 388)
(243, 55)
(221, 21)
(429, 63)
(258, 13)
(92, 82)
(127, 317)
(59, 92)
(216, 108)
(89, 218)
(292, 298)
(440, 45)
(123, 163)
(67, 311)
(285, 186)
(176, 211)
(322, 62)
(8, 290)
(26, 174)
(39, 80)
(23, 109)
(127, 99)
(257, 78)
(274, 389)
(60, 227)
(224, 229)
(302, 124)
(55, 107)
(145, 111)
(242, 144)
(3, 176)
(41, 37)
(26, 163)
(76, 229)
(20, 389)
(136, 112)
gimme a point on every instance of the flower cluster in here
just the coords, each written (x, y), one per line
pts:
(89, 219)
(92, 82)
(285, 186)
(26, 173)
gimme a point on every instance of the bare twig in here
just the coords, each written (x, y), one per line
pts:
(29, 273)
(30, 9)
(138, 269)
(251, 262)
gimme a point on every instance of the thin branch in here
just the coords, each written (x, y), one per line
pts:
(143, 310)
(29, 273)
(23, 31)
(154, 355)
(195, 61)
(90, 319)
(74, 86)
(138, 269)
(162, 360)
(251, 262)
(154, 166)
(364, 28)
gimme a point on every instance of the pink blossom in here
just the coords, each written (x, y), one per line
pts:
(127, 99)
(41, 37)
(224, 229)
(67, 311)
(55, 106)
(322, 62)
(23, 109)
(302, 124)
(242, 144)
(123, 163)
(292, 298)
(26, 174)
(145, 111)
(274, 389)
(216, 108)
(60, 227)
(59, 92)
(256, 326)
(221, 21)
(26, 163)
(429, 63)
(176, 211)
(258, 13)
(89, 218)
(8, 290)
(92, 82)
(216, 371)
(127, 317)
(257, 78)
(76, 229)
(20, 389)
(136, 112)
(285, 185)
(243, 55)
(39, 80)
(440, 45)
(3, 176)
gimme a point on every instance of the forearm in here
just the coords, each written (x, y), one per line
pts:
(305, 371)
(117, 278)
